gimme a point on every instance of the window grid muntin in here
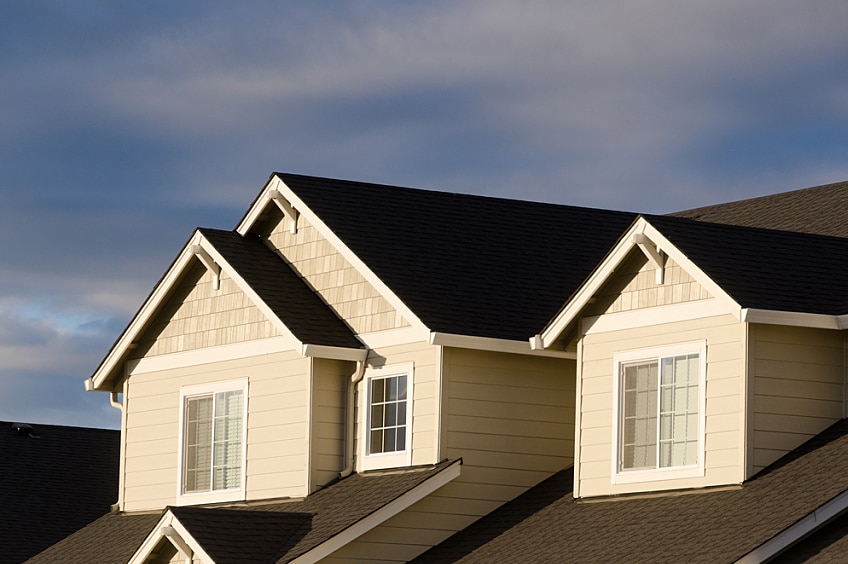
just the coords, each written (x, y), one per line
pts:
(665, 413)
(387, 414)
(216, 464)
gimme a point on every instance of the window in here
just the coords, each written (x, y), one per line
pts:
(660, 407)
(388, 417)
(213, 442)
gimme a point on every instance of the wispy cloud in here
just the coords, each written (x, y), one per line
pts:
(127, 125)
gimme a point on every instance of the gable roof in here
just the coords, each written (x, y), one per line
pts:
(820, 210)
(546, 524)
(759, 275)
(311, 328)
(53, 481)
(282, 290)
(764, 268)
(465, 265)
(270, 531)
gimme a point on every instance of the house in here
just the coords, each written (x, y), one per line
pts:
(358, 372)
(55, 479)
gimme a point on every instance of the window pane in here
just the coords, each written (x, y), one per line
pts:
(226, 467)
(198, 443)
(639, 422)
(401, 387)
(378, 390)
(679, 403)
(376, 442)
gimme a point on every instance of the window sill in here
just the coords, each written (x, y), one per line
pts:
(655, 475)
(200, 498)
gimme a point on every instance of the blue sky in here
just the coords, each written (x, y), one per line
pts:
(125, 125)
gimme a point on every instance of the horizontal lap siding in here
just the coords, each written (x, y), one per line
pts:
(511, 420)
(724, 402)
(425, 360)
(798, 377)
(329, 382)
(278, 393)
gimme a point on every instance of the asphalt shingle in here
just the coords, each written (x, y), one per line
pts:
(54, 481)
(547, 524)
(467, 265)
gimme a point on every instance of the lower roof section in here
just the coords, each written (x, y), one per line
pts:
(547, 524)
(263, 531)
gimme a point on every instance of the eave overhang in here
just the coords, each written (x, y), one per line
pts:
(276, 193)
(650, 241)
(110, 372)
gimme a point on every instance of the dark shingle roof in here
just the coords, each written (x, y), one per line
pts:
(821, 209)
(826, 545)
(766, 269)
(112, 539)
(302, 311)
(546, 524)
(250, 532)
(53, 482)
(465, 264)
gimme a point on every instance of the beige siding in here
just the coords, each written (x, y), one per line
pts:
(201, 316)
(425, 359)
(277, 427)
(333, 277)
(511, 420)
(329, 384)
(725, 338)
(798, 387)
(634, 287)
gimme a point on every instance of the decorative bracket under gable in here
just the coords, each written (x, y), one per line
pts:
(652, 252)
(209, 263)
(277, 197)
(184, 549)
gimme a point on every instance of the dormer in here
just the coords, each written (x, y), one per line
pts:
(705, 352)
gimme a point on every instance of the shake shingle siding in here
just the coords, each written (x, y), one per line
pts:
(466, 265)
(766, 269)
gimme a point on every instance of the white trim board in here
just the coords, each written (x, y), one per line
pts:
(208, 355)
(658, 315)
(495, 345)
(158, 533)
(812, 521)
(162, 291)
(640, 233)
(277, 185)
(376, 518)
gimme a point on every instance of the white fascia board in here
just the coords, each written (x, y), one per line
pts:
(495, 345)
(376, 518)
(113, 359)
(658, 315)
(163, 290)
(170, 524)
(640, 229)
(334, 353)
(392, 337)
(208, 355)
(584, 294)
(264, 198)
(276, 184)
(254, 297)
(813, 520)
(795, 319)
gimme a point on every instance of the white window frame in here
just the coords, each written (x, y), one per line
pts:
(647, 355)
(382, 460)
(212, 496)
